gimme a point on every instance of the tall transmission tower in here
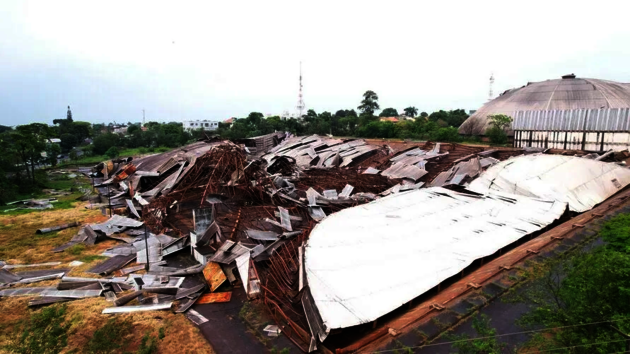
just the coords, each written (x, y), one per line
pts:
(143, 117)
(490, 93)
(300, 105)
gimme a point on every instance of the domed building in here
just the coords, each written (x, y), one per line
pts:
(569, 113)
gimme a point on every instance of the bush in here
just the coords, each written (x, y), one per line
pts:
(143, 150)
(162, 149)
(497, 135)
(45, 332)
(112, 152)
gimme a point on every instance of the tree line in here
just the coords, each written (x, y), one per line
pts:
(363, 122)
(24, 149)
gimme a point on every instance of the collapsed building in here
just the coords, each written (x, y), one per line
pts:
(333, 235)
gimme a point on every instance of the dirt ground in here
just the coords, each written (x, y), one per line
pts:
(20, 245)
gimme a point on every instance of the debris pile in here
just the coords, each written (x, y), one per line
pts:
(206, 217)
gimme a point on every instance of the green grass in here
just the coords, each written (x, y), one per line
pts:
(123, 153)
(91, 258)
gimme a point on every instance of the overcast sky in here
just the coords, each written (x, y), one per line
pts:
(216, 59)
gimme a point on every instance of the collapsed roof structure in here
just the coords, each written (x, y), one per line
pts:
(309, 226)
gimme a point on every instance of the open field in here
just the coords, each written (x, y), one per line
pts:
(19, 244)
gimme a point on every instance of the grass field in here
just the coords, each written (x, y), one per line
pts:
(171, 333)
(123, 153)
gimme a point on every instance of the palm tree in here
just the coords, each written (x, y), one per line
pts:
(411, 111)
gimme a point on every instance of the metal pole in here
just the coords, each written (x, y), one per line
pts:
(146, 247)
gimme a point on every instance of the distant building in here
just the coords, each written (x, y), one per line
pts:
(201, 124)
(120, 130)
(54, 141)
(390, 119)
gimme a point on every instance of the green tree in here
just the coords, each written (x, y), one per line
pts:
(112, 152)
(52, 151)
(69, 115)
(424, 115)
(369, 104)
(485, 344)
(255, 118)
(389, 112)
(500, 121)
(411, 111)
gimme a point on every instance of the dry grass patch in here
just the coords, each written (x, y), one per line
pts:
(20, 245)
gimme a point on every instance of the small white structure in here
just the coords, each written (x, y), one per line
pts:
(203, 124)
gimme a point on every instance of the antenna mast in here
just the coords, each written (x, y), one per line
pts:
(490, 93)
(300, 105)
(143, 117)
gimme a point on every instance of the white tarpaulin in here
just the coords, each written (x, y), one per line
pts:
(363, 262)
(582, 183)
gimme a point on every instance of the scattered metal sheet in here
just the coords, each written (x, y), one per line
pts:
(214, 275)
(75, 263)
(273, 222)
(371, 171)
(330, 194)
(182, 293)
(8, 277)
(196, 318)
(347, 190)
(41, 278)
(312, 196)
(74, 294)
(228, 252)
(212, 298)
(262, 235)
(187, 303)
(90, 235)
(291, 217)
(155, 250)
(488, 161)
(46, 300)
(49, 264)
(116, 224)
(140, 200)
(127, 298)
(132, 208)
(317, 213)
(123, 250)
(112, 264)
(24, 291)
(138, 308)
(285, 220)
(57, 228)
(133, 269)
(178, 245)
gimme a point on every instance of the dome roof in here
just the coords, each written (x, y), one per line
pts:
(561, 94)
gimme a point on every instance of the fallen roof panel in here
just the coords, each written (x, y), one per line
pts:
(582, 183)
(112, 264)
(427, 235)
(138, 308)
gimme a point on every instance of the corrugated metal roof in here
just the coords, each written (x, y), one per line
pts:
(608, 119)
(560, 94)
(425, 235)
(582, 183)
